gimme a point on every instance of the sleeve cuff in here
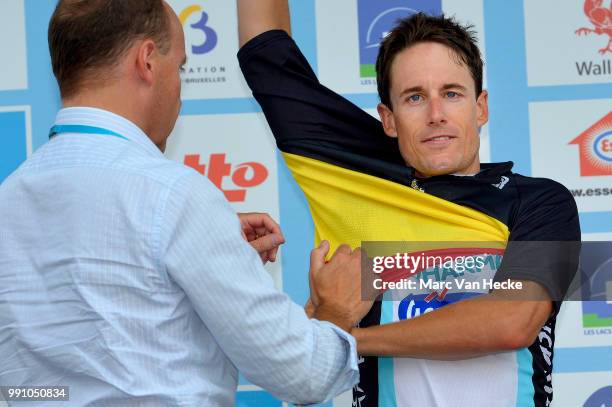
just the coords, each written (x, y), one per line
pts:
(259, 41)
(349, 376)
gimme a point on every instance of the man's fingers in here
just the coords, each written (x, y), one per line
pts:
(342, 250)
(317, 256)
(273, 253)
(267, 242)
(262, 231)
(270, 224)
(261, 222)
(264, 257)
(269, 255)
(317, 261)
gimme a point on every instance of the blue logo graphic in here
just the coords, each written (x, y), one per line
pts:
(601, 398)
(415, 305)
(377, 17)
(210, 36)
(596, 274)
(603, 146)
(14, 148)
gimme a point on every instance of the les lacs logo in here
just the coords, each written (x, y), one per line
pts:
(377, 18)
(595, 148)
(596, 276)
(244, 176)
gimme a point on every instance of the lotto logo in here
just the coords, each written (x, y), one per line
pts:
(245, 175)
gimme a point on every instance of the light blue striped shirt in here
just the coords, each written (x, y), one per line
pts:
(124, 276)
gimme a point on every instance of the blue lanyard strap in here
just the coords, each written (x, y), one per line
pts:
(76, 128)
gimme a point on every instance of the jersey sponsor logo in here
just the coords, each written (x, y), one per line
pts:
(377, 18)
(502, 182)
(415, 305)
(244, 176)
(490, 262)
(595, 148)
(601, 398)
(440, 272)
(415, 185)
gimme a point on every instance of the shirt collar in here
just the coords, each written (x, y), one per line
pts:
(90, 116)
(489, 172)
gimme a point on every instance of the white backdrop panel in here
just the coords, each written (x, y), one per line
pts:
(211, 44)
(578, 389)
(14, 70)
(237, 153)
(556, 54)
(553, 126)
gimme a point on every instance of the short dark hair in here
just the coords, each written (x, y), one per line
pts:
(85, 35)
(420, 28)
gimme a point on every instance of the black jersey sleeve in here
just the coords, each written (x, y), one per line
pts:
(544, 242)
(311, 120)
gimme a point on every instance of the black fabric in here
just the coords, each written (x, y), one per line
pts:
(542, 351)
(310, 120)
(366, 391)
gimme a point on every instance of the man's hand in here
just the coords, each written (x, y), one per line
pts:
(335, 286)
(263, 233)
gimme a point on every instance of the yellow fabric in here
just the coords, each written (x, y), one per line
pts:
(351, 207)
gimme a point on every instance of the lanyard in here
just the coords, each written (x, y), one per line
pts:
(76, 128)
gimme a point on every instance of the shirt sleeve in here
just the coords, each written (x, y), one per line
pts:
(311, 120)
(544, 242)
(265, 335)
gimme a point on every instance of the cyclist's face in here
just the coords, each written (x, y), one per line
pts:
(436, 115)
